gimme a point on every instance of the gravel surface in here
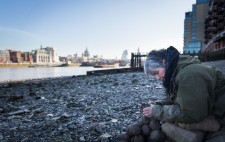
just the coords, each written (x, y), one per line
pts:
(77, 108)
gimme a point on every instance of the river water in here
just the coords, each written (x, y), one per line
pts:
(17, 74)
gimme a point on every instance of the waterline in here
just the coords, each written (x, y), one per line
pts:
(17, 74)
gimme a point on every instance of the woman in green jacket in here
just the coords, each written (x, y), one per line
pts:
(196, 91)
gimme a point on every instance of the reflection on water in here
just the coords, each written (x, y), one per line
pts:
(14, 74)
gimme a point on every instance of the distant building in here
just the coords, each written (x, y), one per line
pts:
(69, 58)
(187, 30)
(4, 56)
(41, 56)
(215, 27)
(86, 53)
(53, 54)
(74, 58)
(15, 56)
(27, 57)
(138, 52)
(194, 27)
(62, 59)
(46, 55)
(124, 55)
(97, 58)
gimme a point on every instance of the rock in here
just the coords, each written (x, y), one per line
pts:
(133, 130)
(114, 120)
(167, 140)
(155, 125)
(143, 121)
(209, 124)
(105, 140)
(145, 130)
(134, 81)
(106, 135)
(157, 136)
(50, 115)
(178, 134)
(15, 98)
(123, 137)
(69, 105)
(100, 127)
(81, 139)
(37, 97)
(158, 87)
(43, 98)
(115, 84)
(1, 137)
(32, 93)
(51, 124)
(138, 138)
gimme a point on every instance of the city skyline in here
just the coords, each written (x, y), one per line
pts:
(105, 27)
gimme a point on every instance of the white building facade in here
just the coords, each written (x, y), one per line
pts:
(41, 56)
(46, 55)
(53, 54)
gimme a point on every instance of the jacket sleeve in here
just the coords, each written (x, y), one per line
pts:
(191, 104)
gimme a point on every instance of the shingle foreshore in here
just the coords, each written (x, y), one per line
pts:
(77, 108)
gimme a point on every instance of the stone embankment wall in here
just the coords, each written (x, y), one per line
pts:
(14, 65)
(77, 108)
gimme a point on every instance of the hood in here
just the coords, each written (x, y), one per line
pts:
(186, 60)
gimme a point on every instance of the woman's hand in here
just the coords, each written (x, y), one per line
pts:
(148, 111)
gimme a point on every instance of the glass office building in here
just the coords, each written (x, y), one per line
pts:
(194, 27)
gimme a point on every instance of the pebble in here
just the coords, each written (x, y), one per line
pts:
(1, 137)
(114, 120)
(84, 107)
(106, 135)
(82, 139)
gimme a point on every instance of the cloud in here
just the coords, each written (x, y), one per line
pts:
(18, 31)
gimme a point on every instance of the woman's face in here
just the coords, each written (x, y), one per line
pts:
(159, 73)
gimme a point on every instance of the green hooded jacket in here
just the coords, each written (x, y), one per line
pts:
(198, 91)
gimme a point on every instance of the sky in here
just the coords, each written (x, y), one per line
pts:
(104, 27)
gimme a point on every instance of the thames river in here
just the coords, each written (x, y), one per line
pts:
(17, 74)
